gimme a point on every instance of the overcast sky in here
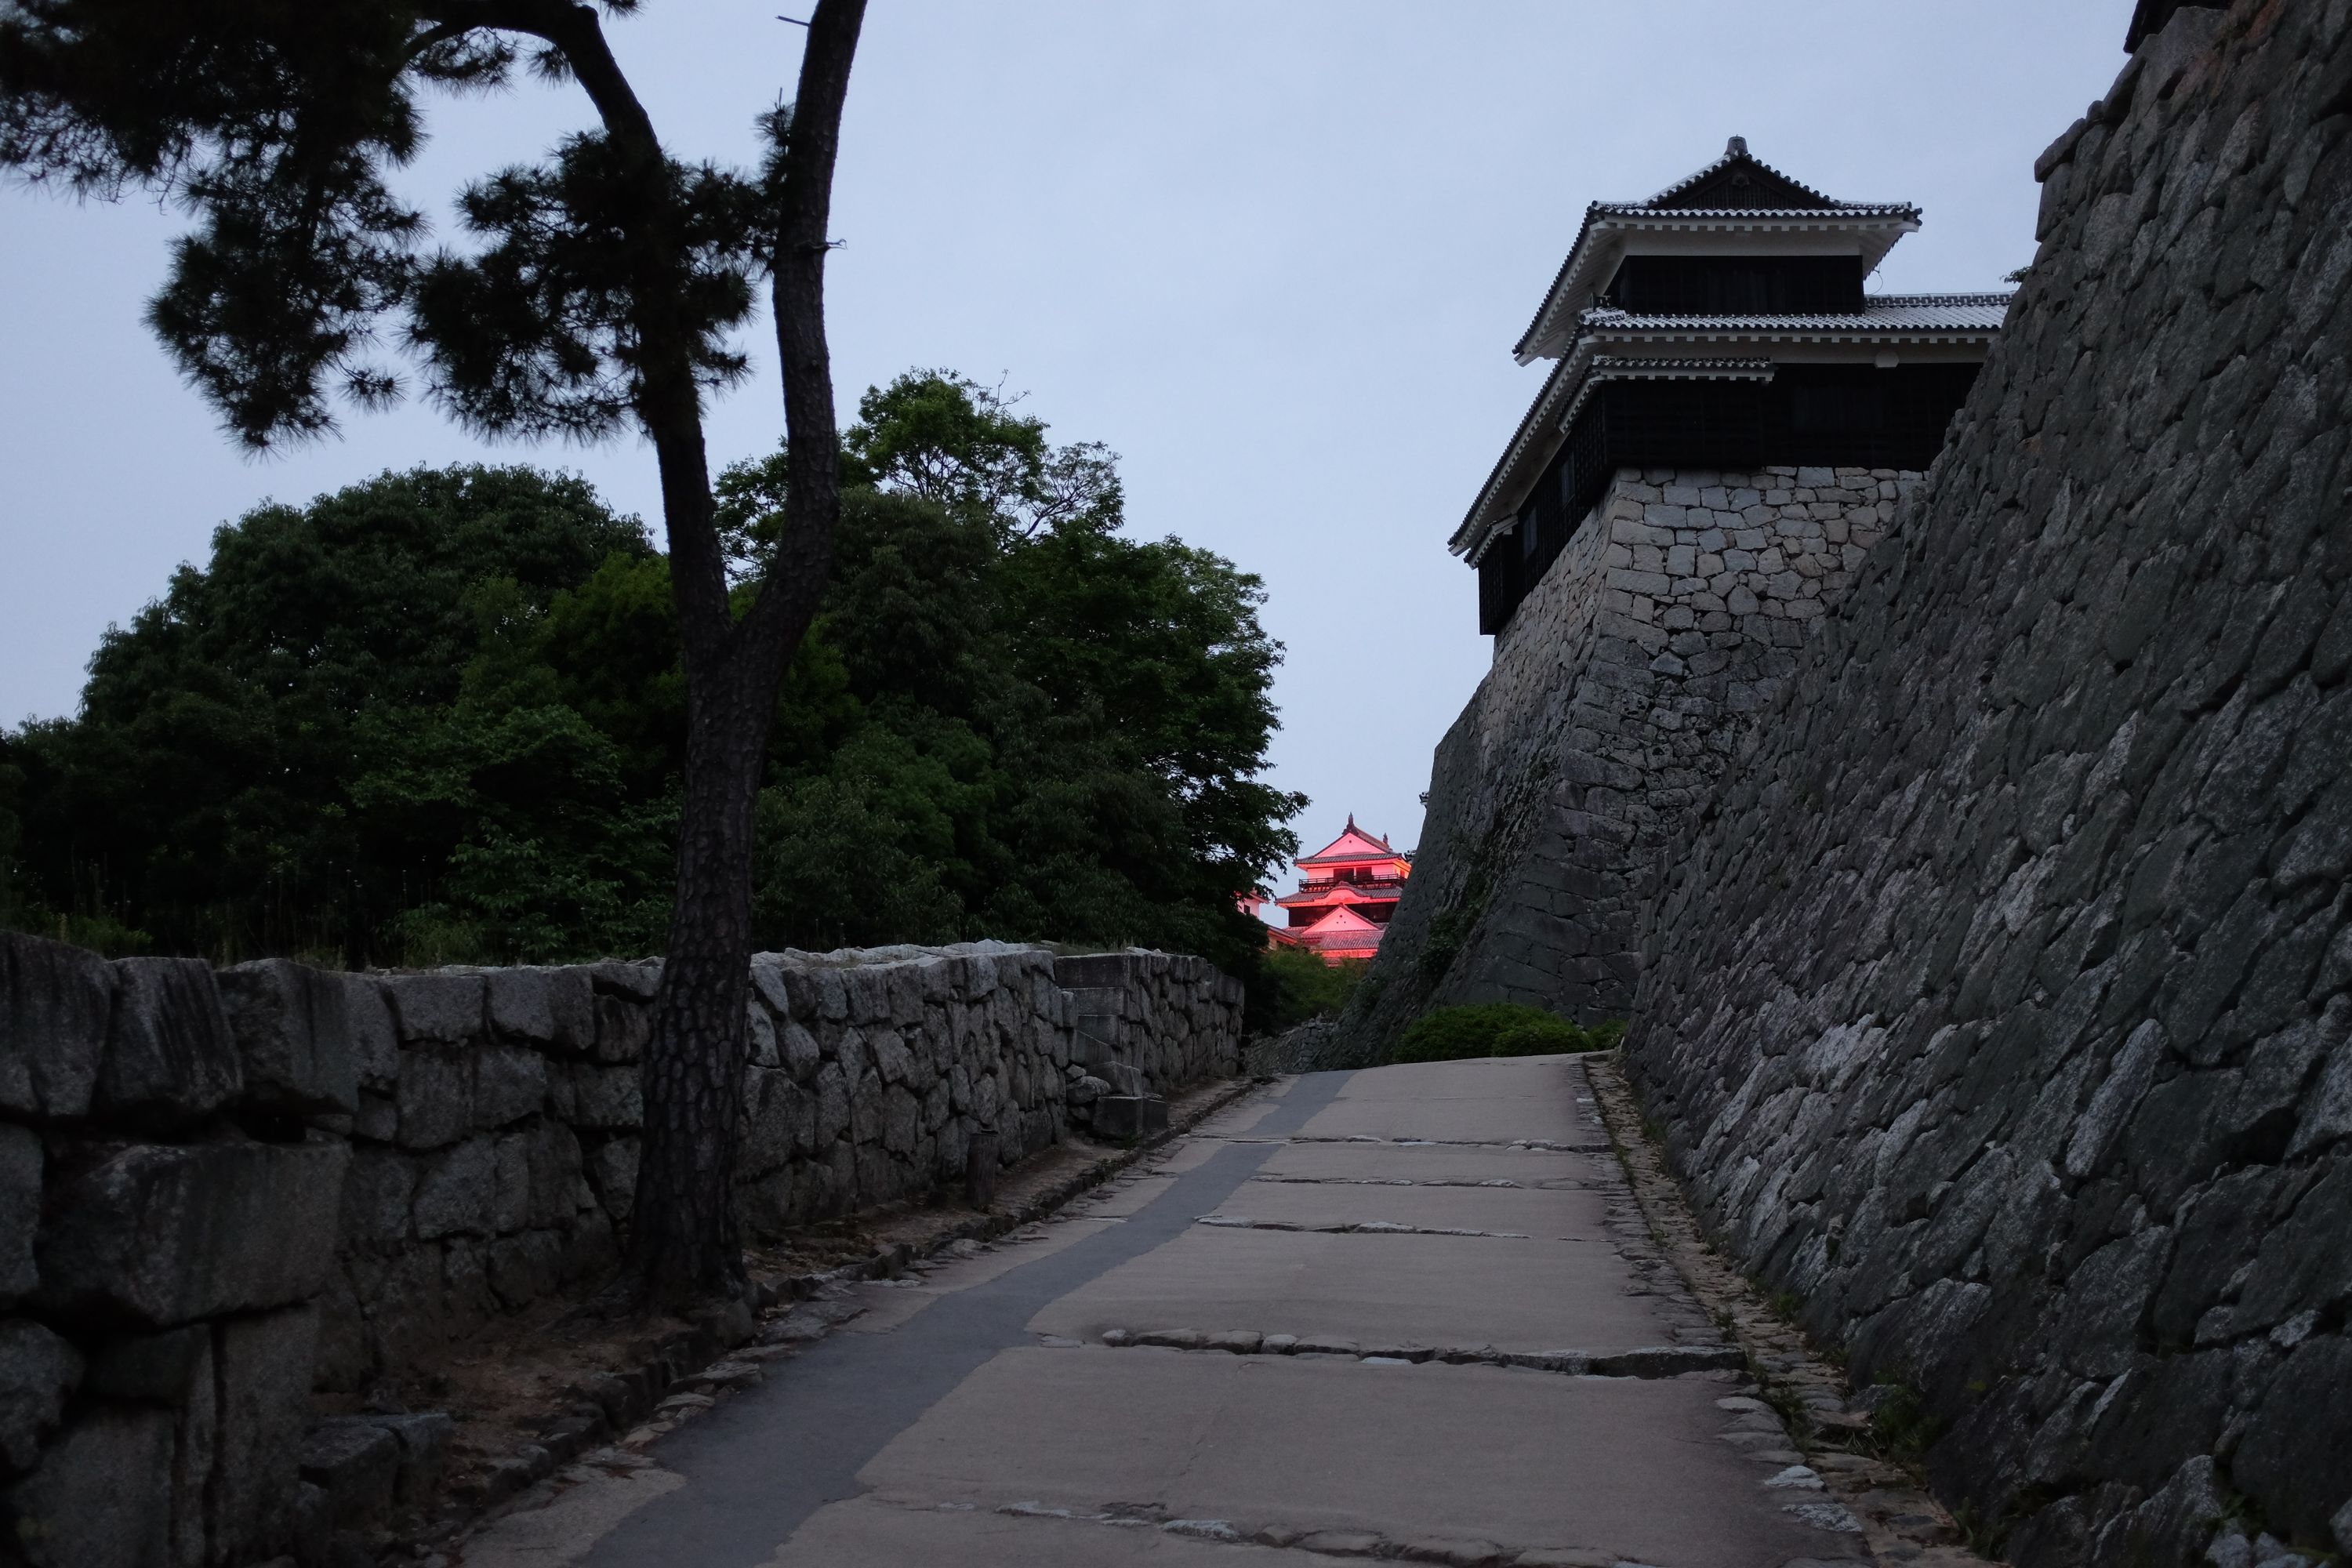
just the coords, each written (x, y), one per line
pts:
(1274, 253)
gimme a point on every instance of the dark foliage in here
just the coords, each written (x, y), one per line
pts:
(441, 717)
(1497, 1029)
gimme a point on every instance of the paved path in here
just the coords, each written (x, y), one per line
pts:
(989, 1413)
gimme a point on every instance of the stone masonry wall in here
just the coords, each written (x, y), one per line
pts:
(2000, 1007)
(221, 1191)
(1675, 609)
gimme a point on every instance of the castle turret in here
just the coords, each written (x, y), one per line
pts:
(1723, 325)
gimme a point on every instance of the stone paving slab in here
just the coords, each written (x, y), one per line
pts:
(1489, 1100)
(1119, 1199)
(868, 1533)
(1435, 1163)
(1554, 1216)
(891, 1302)
(1425, 1289)
(1620, 1466)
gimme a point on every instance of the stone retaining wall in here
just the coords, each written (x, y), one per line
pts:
(2000, 1009)
(1674, 610)
(219, 1191)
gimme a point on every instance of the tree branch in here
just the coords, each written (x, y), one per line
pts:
(797, 572)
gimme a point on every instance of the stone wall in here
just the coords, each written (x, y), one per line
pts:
(221, 1191)
(1998, 1008)
(1675, 609)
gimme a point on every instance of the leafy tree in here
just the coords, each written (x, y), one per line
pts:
(602, 293)
(236, 780)
(1118, 691)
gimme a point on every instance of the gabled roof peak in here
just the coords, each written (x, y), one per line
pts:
(1737, 197)
(1740, 180)
(1353, 844)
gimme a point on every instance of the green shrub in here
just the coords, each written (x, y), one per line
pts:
(1296, 985)
(1541, 1038)
(1496, 1029)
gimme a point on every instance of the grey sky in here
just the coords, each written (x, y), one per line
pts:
(1274, 254)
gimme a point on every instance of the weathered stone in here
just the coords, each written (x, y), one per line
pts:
(606, 1097)
(293, 1027)
(102, 1495)
(265, 1406)
(440, 1009)
(436, 1098)
(1129, 1115)
(637, 982)
(550, 1007)
(157, 1367)
(901, 1120)
(509, 1085)
(170, 1058)
(423, 1437)
(614, 1167)
(891, 1058)
(55, 1001)
(357, 1464)
(622, 1028)
(20, 1211)
(2289, 1459)
(525, 1268)
(510, 1205)
(457, 1191)
(164, 1234)
(39, 1372)
(378, 1190)
(799, 1052)
(375, 1038)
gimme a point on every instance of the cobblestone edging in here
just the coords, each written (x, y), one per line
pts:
(1901, 1522)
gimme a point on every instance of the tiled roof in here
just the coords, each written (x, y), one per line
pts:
(1917, 312)
(1833, 209)
(1808, 206)
(1563, 391)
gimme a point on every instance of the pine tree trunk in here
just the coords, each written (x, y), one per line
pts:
(685, 1239)
(685, 1242)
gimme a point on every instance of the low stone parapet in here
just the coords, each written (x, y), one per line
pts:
(223, 1191)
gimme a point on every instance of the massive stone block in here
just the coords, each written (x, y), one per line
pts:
(38, 1372)
(102, 1495)
(54, 1003)
(20, 1211)
(264, 1406)
(292, 1026)
(170, 1057)
(162, 1234)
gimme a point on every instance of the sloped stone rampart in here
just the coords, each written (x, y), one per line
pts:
(1674, 611)
(1999, 1007)
(220, 1191)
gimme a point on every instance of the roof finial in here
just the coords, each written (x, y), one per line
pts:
(1351, 821)
(1736, 148)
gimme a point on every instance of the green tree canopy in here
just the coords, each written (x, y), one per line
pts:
(441, 716)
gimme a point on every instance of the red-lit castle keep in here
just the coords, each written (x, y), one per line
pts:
(1346, 892)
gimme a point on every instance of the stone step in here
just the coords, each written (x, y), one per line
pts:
(1129, 1115)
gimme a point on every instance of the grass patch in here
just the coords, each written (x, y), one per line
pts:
(1901, 1430)
(1497, 1029)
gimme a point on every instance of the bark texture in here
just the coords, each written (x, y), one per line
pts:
(684, 1238)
